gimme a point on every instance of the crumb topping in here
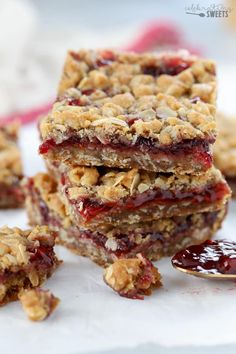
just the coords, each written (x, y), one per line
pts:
(177, 74)
(133, 277)
(162, 118)
(10, 159)
(16, 245)
(38, 304)
(112, 184)
(225, 146)
(119, 99)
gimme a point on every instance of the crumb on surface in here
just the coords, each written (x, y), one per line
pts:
(133, 277)
(38, 303)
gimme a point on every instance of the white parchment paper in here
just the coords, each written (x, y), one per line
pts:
(91, 317)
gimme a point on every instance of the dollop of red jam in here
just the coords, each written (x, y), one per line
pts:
(214, 257)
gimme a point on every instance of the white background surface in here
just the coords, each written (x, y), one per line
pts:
(187, 311)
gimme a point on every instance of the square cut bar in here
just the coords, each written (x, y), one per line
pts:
(11, 172)
(97, 196)
(27, 259)
(155, 112)
(153, 239)
(225, 149)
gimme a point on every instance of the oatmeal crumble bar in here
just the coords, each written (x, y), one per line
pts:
(94, 196)
(153, 239)
(225, 149)
(155, 112)
(38, 303)
(11, 172)
(133, 278)
(27, 259)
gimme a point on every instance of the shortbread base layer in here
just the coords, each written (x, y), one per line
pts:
(172, 160)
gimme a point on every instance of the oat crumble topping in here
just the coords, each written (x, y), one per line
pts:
(123, 101)
(111, 184)
(15, 245)
(132, 277)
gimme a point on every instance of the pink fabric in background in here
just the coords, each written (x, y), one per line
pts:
(153, 36)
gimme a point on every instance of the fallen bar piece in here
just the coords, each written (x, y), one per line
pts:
(133, 278)
(153, 239)
(96, 196)
(155, 112)
(11, 172)
(38, 303)
(27, 259)
(225, 149)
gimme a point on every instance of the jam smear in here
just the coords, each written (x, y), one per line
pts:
(214, 257)
(173, 66)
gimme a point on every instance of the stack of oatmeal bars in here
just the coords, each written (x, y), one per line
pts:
(128, 147)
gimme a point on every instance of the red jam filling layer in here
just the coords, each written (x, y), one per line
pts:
(199, 149)
(210, 194)
(213, 257)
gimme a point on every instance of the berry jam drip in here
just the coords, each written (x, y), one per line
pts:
(212, 257)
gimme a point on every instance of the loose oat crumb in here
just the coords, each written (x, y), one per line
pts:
(38, 304)
(133, 277)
